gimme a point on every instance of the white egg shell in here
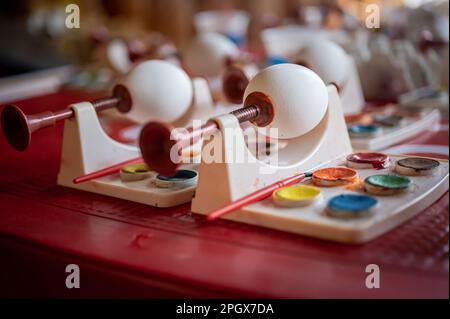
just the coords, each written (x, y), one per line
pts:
(207, 53)
(327, 59)
(160, 91)
(298, 95)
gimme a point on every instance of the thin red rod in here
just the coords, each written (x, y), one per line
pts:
(110, 170)
(257, 196)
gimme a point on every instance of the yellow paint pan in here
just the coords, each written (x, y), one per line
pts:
(296, 196)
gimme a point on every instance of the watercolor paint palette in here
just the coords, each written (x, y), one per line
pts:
(150, 190)
(315, 219)
(376, 131)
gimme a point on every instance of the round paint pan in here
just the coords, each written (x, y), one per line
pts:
(367, 160)
(386, 184)
(135, 172)
(359, 130)
(296, 196)
(351, 206)
(413, 166)
(182, 178)
(334, 176)
(361, 118)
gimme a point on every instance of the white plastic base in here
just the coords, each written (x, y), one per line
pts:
(392, 136)
(87, 148)
(440, 101)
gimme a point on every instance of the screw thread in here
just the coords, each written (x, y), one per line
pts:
(246, 114)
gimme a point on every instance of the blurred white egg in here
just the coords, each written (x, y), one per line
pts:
(207, 54)
(327, 59)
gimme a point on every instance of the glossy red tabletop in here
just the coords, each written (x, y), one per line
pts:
(126, 249)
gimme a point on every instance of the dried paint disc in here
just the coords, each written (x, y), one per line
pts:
(386, 184)
(358, 130)
(362, 118)
(367, 160)
(135, 172)
(390, 120)
(413, 166)
(296, 196)
(334, 176)
(182, 178)
(351, 206)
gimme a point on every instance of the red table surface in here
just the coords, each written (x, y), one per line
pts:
(125, 249)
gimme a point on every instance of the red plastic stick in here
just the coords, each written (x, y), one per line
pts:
(114, 169)
(256, 196)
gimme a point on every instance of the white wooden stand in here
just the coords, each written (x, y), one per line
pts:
(87, 148)
(326, 145)
(328, 140)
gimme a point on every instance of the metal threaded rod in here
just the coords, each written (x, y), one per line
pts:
(246, 114)
(105, 103)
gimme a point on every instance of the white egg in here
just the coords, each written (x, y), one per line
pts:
(327, 59)
(298, 96)
(160, 91)
(207, 54)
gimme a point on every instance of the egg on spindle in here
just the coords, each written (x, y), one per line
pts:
(160, 91)
(298, 96)
(207, 54)
(327, 59)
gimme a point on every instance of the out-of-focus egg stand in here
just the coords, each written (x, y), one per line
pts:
(220, 45)
(159, 91)
(318, 50)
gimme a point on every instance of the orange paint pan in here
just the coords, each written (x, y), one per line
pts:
(334, 176)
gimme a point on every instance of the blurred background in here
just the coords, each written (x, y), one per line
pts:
(34, 35)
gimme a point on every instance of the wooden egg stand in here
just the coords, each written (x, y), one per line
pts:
(217, 58)
(322, 56)
(332, 64)
(87, 148)
(312, 143)
(328, 140)
(123, 54)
